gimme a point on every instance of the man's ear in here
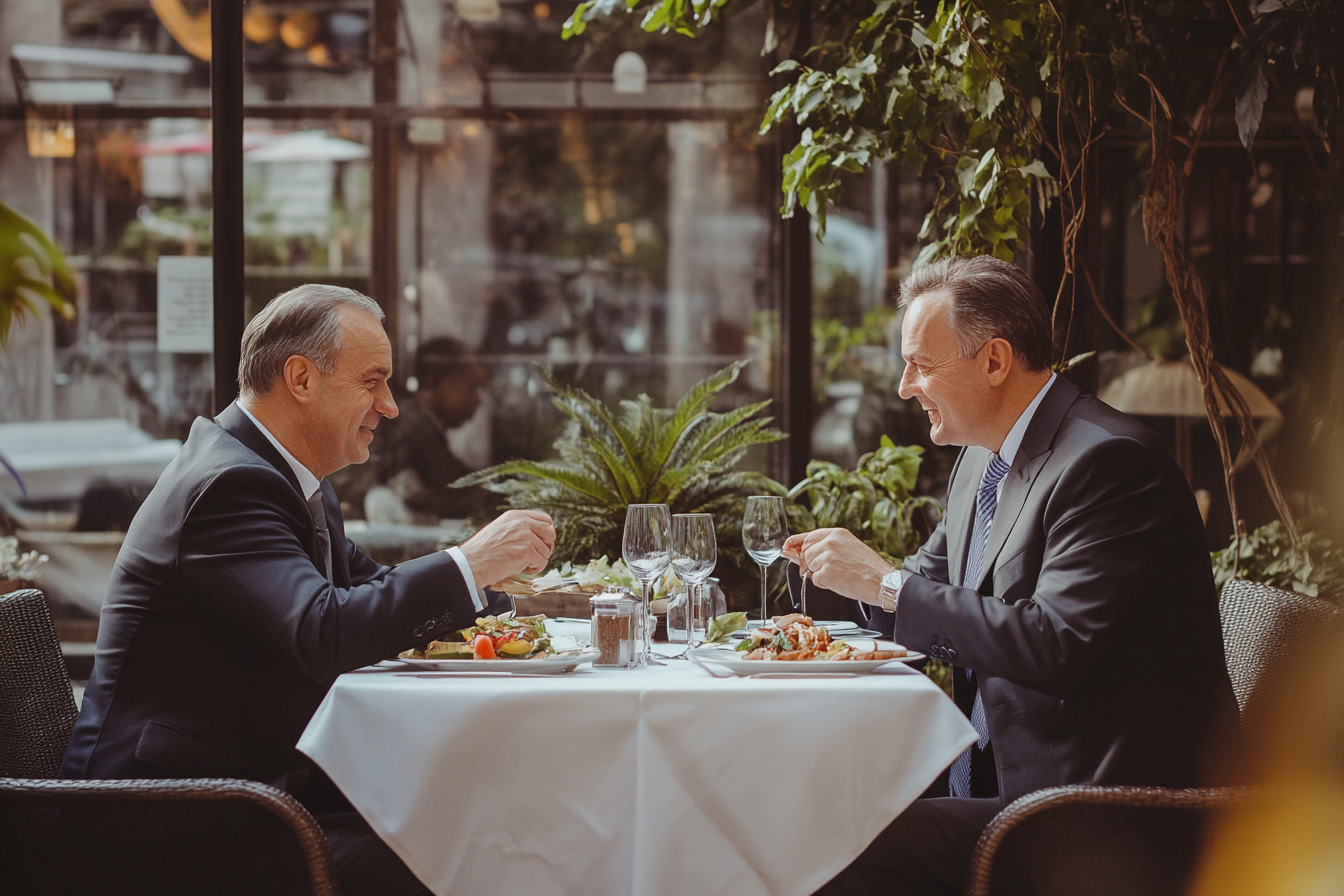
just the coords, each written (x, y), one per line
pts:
(999, 360)
(301, 378)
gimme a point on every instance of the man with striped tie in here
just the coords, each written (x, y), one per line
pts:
(1068, 582)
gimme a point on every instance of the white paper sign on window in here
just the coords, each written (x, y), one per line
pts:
(186, 304)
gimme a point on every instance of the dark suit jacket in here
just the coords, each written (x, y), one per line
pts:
(1094, 629)
(220, 633)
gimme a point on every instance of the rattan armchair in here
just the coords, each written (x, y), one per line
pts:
(200, 836)
(1145, 841)
(1102, 841)
(1265, 631)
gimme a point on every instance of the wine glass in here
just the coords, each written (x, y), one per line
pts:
(695, 550)
(646, 550)
(764, 531)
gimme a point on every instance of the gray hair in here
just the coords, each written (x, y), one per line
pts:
(304, 321)
(991, 298)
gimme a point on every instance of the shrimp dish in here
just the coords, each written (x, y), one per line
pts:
(796, 638)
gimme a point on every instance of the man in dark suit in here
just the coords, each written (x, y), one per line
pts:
(1068, 581)
(236, 598)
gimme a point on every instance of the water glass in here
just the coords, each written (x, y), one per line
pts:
(765, 528)
(695, 551)
(645, 548)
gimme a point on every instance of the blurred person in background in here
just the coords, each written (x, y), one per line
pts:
(412, 466)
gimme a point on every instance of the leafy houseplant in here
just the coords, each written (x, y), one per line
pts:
(874, 500)
(32, 271)
(684, 457)
(1269, 557)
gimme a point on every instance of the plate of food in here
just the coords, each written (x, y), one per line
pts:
(499, 644)
(794, 645)
(838, 628)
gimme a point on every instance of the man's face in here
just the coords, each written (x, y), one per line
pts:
(954, 391)
(353, 398)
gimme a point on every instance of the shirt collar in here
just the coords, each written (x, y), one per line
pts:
(1008, 451)
(308, 483)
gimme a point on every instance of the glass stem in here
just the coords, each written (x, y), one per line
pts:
(649, 623)
(764, 609)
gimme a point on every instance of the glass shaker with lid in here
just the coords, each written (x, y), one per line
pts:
(615, 629)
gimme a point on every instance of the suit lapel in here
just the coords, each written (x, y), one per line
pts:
(1031, 456)
(238, 425)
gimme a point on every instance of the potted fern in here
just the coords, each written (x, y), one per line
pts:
(685, 457)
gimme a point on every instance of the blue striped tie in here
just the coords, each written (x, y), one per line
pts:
(987, 501)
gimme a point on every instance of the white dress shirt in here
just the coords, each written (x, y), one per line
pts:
(309, 484)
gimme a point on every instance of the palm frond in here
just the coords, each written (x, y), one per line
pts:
(683, 456)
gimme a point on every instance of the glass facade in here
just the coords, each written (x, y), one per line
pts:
(604, 208)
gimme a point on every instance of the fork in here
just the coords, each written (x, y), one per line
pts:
(705, 666)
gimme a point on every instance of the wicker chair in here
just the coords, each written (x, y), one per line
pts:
(1146, 840)
(201, 836)
(1264, 631)
(1102, 841)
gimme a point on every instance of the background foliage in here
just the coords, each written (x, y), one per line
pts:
(1003, 102)
(686, 457)
(33, 272)
(874, 500)
(1268, 556)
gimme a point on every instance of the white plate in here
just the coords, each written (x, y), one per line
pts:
(842, 625)
(546, 665)
(735, 662)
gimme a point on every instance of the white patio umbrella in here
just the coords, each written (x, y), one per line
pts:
(1162, 388)
(308, 146)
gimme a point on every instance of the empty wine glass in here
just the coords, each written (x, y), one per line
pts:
(695, 550)
(764, 531)
(646, 550)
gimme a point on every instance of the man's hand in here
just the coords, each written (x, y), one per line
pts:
(517, 541)
(839, 562)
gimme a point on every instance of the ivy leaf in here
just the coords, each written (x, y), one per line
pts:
(577, 21)
(787, 65)
(1036, 169)
(1250, 106)
(992, 97)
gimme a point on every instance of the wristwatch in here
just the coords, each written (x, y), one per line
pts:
(891, 586)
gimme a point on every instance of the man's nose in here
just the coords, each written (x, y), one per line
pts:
(386, 404)
(906, 388)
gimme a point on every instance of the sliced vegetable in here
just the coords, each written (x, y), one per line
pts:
(483, 648)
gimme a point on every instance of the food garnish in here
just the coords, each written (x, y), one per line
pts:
(492, 637)
(795, 638)
(720, 627)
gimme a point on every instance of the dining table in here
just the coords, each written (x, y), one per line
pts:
(654, 781)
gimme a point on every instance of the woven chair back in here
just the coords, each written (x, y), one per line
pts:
(37, 707)
(1101, 841)
(1264, 631)
(204, 837)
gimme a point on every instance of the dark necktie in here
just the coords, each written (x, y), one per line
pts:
(986, 502)
(319, 514)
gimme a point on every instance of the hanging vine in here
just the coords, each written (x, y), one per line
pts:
(1002, 103)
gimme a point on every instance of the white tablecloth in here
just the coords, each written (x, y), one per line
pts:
(618, 782)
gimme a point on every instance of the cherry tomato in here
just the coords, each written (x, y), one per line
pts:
(483, 648)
